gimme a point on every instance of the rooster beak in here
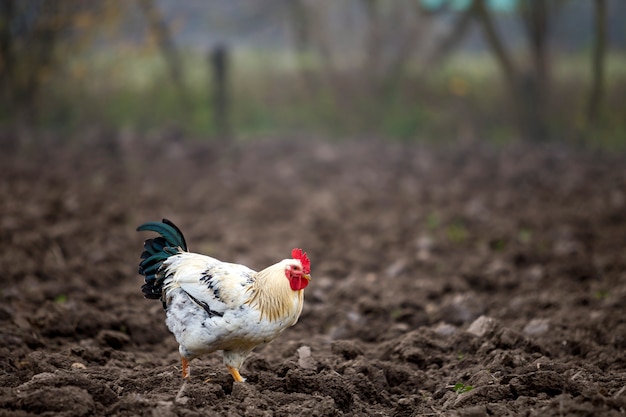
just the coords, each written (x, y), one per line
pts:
(307, 276)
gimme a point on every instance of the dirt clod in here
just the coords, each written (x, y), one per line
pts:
(445, 282)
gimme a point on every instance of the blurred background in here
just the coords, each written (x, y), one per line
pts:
(405, 70)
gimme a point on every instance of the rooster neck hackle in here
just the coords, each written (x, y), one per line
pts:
(272, 296)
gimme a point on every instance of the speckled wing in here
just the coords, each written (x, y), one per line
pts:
(214, 285)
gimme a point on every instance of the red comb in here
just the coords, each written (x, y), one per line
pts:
(300, 255)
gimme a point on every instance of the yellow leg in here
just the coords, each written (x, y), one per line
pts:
(235, 373)
(185, 367)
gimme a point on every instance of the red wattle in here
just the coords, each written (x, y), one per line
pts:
(298, 283)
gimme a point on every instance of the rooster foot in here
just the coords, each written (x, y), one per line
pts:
(235, 373)
(185, 363)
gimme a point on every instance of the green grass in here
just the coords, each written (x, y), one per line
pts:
(433, 221)
(601, 294)
(60, 299)
(524, 235)
(457, 232)
(461, 388)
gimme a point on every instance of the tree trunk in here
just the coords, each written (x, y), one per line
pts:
(452, 39)
(221, 108)
(495, 44)
(161, 32)
(535, 82)
(596, 95)
(504, 61)
(7, 14)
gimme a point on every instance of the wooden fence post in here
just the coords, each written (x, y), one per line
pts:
(219, 59)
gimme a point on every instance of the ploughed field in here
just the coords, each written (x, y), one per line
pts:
(446, 281)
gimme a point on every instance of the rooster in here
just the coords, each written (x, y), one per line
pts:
(212, 305)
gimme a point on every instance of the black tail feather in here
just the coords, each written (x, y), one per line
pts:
(170, 242)
(170, 233)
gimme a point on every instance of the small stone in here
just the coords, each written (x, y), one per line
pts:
(537, 327)
(534, 273)
(396, 268)
(445, 329)
(305, 360)
(462, 308)
(482, 326)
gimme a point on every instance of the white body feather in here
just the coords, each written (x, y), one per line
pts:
(214, 305)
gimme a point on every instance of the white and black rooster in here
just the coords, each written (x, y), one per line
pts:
(212, 305)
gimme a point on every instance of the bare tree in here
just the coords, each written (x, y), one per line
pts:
(34, 35)
(159, 28)
(596, 95)
(364, 67)
(451, 40)
(7, 64)
(535, 81)
(528, 88)
(27, 47)
(495, 44)
(220, 63)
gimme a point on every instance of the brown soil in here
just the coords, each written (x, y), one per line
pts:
(445, 282)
